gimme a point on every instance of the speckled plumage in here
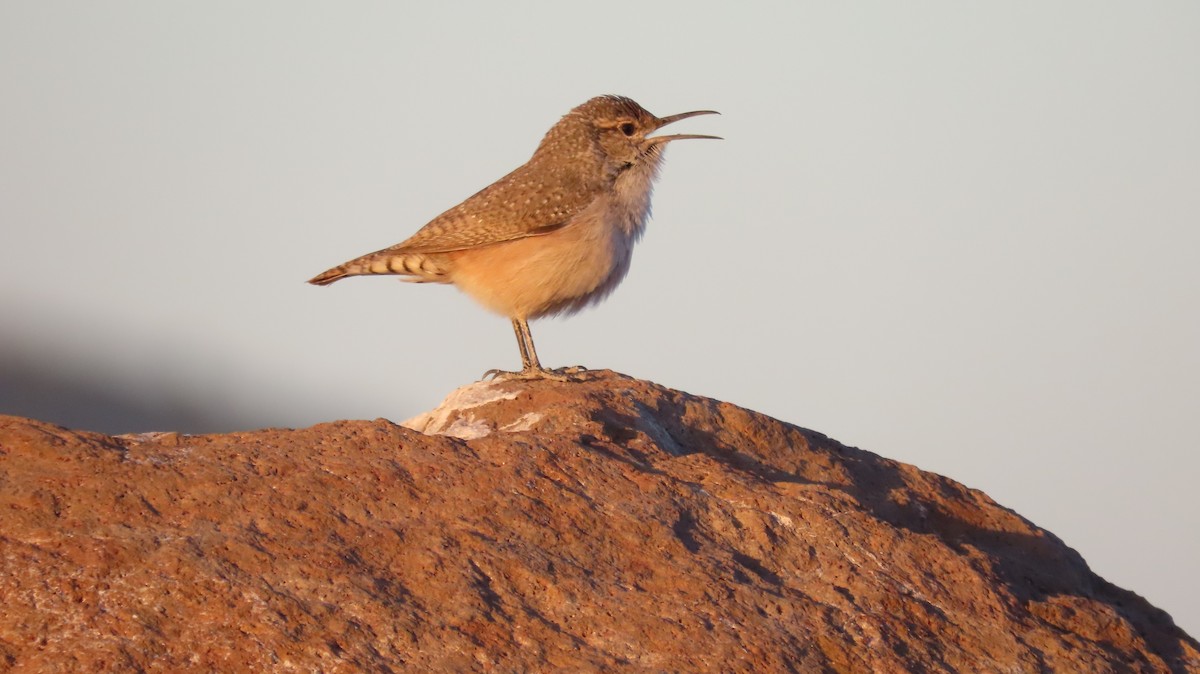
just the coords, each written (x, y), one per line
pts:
(554, 235)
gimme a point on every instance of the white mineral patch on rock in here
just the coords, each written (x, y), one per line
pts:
(438, 421)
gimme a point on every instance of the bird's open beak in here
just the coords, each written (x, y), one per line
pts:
(663, 121)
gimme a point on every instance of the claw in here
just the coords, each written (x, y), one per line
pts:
(531, 374)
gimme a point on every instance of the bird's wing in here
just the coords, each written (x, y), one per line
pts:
(526, 202)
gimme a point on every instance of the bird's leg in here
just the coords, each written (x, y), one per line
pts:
(529, 359)
(531, 368)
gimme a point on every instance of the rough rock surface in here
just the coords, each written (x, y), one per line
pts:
(608, 525)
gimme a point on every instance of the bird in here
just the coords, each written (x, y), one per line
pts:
(552, 237)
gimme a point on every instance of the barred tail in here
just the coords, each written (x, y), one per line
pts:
(419, 267)
(327, 277)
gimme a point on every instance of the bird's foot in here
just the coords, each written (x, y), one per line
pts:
(531, 373)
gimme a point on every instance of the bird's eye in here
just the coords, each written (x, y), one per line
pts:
(628, 128)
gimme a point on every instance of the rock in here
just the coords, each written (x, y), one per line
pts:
(604, 525)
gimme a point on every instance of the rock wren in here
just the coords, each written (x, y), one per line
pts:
(553, 236)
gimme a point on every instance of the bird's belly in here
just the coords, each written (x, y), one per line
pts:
(561, 271)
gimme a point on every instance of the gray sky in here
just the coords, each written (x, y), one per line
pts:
(962, 236)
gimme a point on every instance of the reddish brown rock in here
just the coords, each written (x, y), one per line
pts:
(609, 525)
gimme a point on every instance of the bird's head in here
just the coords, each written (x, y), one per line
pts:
(623, 129)
(613, 134)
